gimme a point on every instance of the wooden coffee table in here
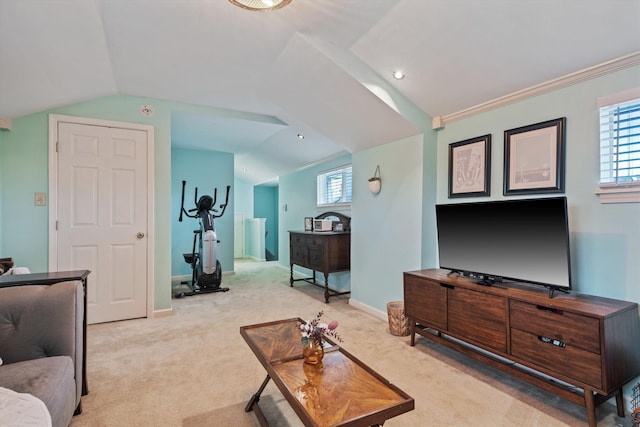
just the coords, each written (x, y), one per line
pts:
(343, 391)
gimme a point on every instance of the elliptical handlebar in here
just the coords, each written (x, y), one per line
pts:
(224, 205)
(197, 204)
(182, 201)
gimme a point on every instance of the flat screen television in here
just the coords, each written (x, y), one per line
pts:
(523, 240)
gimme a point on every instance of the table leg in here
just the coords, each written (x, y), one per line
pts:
(253, 403)
(256, 397)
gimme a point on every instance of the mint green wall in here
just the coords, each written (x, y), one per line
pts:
(298, 192)
(205, 170)
(605, 238)
(266, 206)
(386, 228)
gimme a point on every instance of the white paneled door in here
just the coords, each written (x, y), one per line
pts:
(102, 216)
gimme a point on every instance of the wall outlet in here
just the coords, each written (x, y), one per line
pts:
(41, 199)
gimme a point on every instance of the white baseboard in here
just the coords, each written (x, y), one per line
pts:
(368, 309)
(163, 313)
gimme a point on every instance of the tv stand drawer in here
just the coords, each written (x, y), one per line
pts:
(571, 328)
(569, 360)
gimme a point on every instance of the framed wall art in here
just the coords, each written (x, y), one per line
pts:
(534, 158)
(470, 167)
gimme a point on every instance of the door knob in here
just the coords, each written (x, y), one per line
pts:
(140, 235)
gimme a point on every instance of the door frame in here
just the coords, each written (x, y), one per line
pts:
(54, 120)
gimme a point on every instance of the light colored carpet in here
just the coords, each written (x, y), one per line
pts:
(193, 368)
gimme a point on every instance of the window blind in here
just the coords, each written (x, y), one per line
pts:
(334, 187)
(620, 144)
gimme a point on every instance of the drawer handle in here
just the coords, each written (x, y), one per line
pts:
(551, 341)
(550, 310)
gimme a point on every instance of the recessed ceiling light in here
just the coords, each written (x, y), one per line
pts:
(300, 136)
(263, 5)
(398, 75)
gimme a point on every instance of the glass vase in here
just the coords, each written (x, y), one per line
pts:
(313, 352)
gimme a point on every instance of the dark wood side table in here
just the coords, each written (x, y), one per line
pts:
(328, 252)
(50, 279)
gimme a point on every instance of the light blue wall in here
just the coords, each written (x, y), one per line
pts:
(386, 229)
(605, 238)
(24, 171)
(2, 155)
(205, 170)
(298, 192)
(243, 197)
(24, 165)
(266, 206)
(24, 226)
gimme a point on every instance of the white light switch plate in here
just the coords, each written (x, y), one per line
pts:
(41, 199)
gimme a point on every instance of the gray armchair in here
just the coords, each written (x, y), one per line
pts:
(41, 345)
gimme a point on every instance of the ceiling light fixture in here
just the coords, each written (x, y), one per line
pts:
(260, 5)
(398, 75)
(300, 136)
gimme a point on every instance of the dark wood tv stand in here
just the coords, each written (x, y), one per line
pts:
(589, 342)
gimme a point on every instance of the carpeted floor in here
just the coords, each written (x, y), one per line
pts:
(193, 368)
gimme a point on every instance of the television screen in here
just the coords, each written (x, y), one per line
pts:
(525, 240)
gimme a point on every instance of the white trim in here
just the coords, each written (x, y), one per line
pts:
(379, 314)
(619, 194)
(549, 86)
(54, 121)
(619, 98)
(163, 313)
(338, 168)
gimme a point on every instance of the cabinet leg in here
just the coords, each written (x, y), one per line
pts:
(590, 406)
(291, 277)
(412, 332)
(326, 287)
(620, 403)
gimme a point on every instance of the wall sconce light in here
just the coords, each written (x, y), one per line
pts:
(375, 182)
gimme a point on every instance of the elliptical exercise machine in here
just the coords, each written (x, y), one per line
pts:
(206, 269)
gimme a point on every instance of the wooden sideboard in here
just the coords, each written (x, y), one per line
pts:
(589, 342)
(327, 252)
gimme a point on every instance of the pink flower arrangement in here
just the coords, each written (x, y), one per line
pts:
(316, 330)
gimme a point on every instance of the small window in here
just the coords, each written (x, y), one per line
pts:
(334, 188)
(620, 151)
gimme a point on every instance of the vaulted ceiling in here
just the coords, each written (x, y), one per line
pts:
(321, 68)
